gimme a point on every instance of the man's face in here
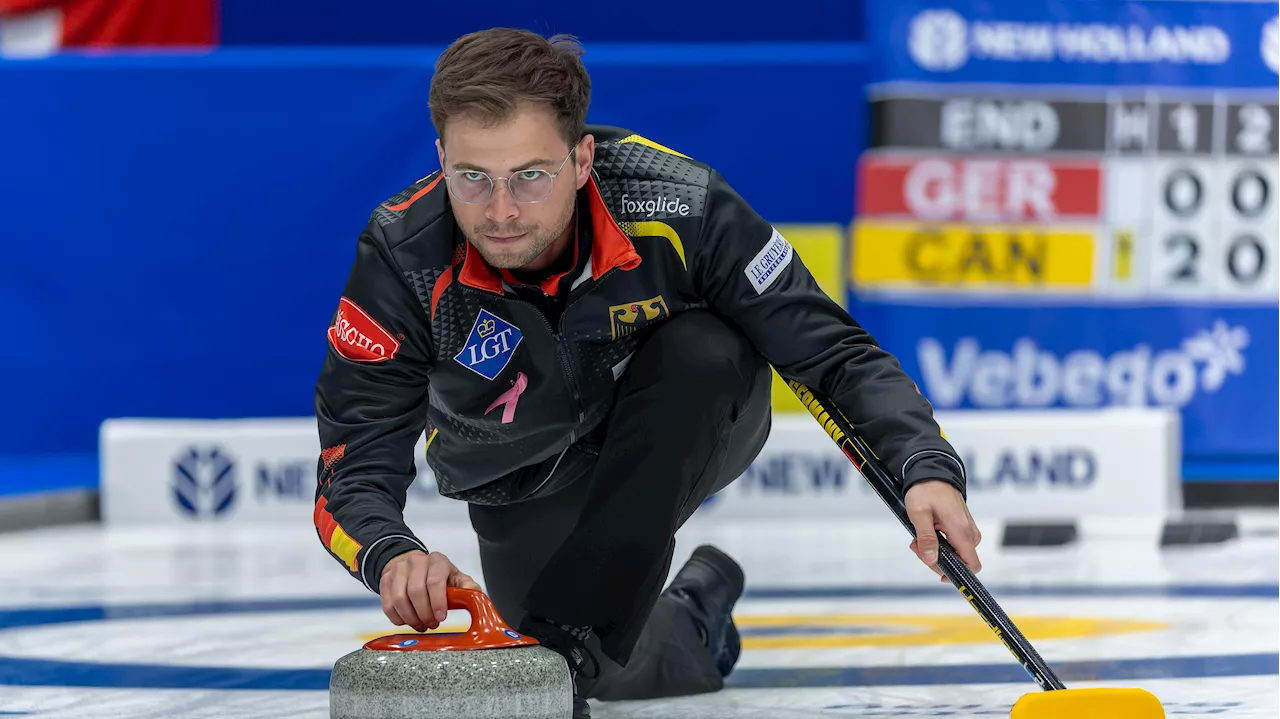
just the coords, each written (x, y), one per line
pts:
(510, 234)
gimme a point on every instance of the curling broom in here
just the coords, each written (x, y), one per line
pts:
(1056, 701)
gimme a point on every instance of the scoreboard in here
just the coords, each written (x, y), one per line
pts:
(1151, 194)
(1075, 205)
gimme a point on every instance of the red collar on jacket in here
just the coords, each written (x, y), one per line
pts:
(610, 248)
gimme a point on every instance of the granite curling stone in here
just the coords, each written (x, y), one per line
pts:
(487, 672)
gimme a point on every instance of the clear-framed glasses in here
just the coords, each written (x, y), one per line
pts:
(473, 187)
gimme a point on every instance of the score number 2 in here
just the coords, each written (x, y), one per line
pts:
(1186, 248)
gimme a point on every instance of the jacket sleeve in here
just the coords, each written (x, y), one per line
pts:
(371, 405)
(748, 272)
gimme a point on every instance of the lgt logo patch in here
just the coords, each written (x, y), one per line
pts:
(490, 345)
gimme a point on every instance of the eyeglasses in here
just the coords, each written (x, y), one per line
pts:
(473, 187)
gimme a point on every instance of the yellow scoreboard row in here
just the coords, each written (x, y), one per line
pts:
(1098, 260)
(1122, 260)
(909, 254)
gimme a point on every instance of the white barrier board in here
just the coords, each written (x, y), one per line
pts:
(259, 471)
(1021, 465)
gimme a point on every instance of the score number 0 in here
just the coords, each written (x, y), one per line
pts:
(1215, 226)
(1245, 254)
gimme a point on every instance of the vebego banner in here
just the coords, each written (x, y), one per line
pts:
(1217, 366)
(1074, 204)
(1019, 464)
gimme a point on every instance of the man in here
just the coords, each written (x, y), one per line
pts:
(583, 322)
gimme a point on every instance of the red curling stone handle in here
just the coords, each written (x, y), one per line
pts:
(487, 630)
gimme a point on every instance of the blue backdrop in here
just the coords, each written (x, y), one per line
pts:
(390, 22)
(177, 230)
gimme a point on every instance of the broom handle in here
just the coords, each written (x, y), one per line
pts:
(841, 430)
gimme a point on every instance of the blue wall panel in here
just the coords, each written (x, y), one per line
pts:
(176, 231)
(397, 22)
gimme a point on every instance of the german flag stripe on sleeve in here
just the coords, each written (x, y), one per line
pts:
(335, 537)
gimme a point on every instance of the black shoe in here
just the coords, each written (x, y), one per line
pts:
(730, 650)
(709, 584)
(571, 644)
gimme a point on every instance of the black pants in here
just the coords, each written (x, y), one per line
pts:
(691, 413)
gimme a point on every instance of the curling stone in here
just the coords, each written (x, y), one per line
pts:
(489, 671)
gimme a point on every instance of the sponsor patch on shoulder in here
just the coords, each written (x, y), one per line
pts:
(359, 337)
(763, 269)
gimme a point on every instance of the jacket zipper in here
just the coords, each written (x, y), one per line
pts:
(562, 347)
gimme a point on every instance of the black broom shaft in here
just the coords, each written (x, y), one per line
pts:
(883, 482)
(954, 568)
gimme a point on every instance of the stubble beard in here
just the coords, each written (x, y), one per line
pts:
(536, 240)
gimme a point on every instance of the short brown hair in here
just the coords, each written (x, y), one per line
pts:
(486, 75)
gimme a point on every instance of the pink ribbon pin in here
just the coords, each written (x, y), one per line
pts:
(510, 398)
